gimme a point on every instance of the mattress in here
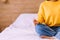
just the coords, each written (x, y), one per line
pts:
(21, 29)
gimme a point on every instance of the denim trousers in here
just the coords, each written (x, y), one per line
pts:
(44, 30)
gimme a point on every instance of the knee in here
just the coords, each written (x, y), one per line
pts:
(39, 27)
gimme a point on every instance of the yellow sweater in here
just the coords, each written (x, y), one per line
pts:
(49, 13)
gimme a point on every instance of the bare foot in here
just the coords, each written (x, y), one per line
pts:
(52, 38)
(47, 37)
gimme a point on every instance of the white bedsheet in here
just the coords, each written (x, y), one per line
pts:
(22, 29)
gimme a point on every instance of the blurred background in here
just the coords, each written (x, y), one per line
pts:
(11, 9)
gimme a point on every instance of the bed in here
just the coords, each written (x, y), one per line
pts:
(21, 29)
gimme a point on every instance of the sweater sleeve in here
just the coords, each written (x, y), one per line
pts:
(40, 18)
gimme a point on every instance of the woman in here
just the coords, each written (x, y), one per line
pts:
(48, 21)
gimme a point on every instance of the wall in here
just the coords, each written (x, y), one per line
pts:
(10, 9)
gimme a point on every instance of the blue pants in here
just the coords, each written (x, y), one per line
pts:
(44, 30)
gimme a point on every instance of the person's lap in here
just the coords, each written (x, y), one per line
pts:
(44, 30)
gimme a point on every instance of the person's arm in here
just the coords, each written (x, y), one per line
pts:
(41, 14)
(40, 18)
